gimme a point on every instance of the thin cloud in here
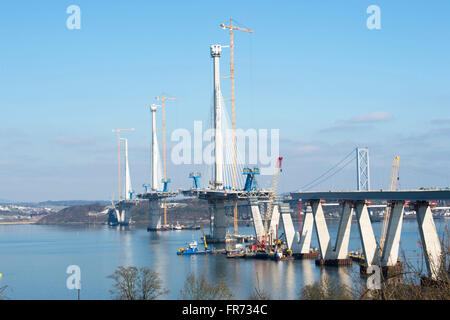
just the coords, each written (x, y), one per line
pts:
(358, 121)
(307, 149)
(440, 121)
(371, 117)
(74, 141)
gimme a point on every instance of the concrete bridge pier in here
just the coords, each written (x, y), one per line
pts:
(219, 225)
(274, 222)
(391, 245)
(430, 239)
(343, 236)
(368, 241)
(337, 255)
(306, 232)
(321, 229)
(155, 214)
(124, 209)
(389, 252)
(257, 220)
(288, 227)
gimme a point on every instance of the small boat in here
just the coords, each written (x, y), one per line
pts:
(178, 227)
(356, 256)
(191, 248)
(236, 254)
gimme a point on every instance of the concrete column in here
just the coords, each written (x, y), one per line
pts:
(154, 150)
(155, 214)
(306, 232)
(343, 236)
(368, 240)
(288, 226)
(257, 221)
(275, 221)
(218, 141)
(321, 228)
(392, 241)
(219, 230)
(124, 215)
(211, 216)
(429, 237)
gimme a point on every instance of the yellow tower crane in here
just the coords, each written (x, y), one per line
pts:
(164, 99)
(392, 187)
(233, 107)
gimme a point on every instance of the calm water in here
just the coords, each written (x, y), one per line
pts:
(34, 258)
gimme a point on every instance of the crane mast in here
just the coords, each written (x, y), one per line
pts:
(233, 107)
(165, 181)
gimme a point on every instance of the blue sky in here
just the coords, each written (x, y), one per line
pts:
(311, 69)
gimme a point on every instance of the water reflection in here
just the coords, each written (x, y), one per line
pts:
(290, 280)
(100, 249)
(307, 271)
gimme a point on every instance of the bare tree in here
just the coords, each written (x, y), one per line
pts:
(326, 289)
(258, 293)
(2, 290)
(131, 283)
(200, 289)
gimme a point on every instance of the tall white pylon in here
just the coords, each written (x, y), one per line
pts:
(128, 188)
(216, 50)
(154, 185)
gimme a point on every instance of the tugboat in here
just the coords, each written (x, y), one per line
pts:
(191, 248)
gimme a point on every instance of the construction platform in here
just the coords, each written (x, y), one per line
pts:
(156, 195)
(219, 194)
(334, 262)
(309, 255)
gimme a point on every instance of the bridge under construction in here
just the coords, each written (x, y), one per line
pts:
(224, 190)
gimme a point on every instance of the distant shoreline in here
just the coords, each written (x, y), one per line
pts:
(17, 222)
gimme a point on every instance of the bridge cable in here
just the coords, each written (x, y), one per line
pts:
(334, 173)
(308, 185)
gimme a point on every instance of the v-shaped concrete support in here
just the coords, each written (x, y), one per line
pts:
(307, 230)
(392, 242)
(340, 250)
(321, 228)
(257, 221)
(430, 238)
(368, 241)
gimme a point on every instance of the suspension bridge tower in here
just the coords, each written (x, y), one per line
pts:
(362, 169)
